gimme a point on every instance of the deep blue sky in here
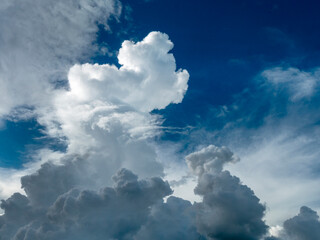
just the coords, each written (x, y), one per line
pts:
(223, 44)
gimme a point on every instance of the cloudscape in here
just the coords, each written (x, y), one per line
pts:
(159, 119)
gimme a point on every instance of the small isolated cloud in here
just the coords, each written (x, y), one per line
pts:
(299, 84)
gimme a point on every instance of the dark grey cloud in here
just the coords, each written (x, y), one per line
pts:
(51, 180)
(174, 219)
(210, 159)
(116, 212)
(304, 226)
(63, 202)
(229, 210)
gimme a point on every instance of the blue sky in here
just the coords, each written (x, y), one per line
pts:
(223, 44)
(164, 88)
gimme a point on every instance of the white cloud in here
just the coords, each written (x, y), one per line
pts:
(300, 84)
(146, 80)
(40, 40)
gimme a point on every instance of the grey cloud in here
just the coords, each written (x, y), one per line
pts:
(229, 210)
(210, 159)
(174, 219)
(18, 213)
(112, 213)
(304, 226)
(51, 180)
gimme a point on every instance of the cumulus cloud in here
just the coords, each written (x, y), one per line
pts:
(229, 209)
(174, 219)
(105, 113)
(61, 203)
(210, 159)
(304, 226)
(273, 126)
(146, 80)
(40, 40)
(104, 118)
(113, 212)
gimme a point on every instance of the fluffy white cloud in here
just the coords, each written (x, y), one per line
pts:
(146, 80)
(40, 40)
(105, 113)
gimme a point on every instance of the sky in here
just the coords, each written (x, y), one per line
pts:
(158, 119)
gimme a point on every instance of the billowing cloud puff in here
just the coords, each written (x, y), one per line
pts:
(304, 226)
(210, 159)
(63, 202)
(174, 219)
(112, 213)
(105, 113)
(146, 80)
(229, 209)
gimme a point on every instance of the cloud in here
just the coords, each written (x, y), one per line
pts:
(102, 114)
(276, 136)
(61, 203)
(105, 113)
(146, 80)
(113, 212)
(304, 226)
(299, 84)
(210, 159)
(174, 219)
(229, 209)
(40, 40)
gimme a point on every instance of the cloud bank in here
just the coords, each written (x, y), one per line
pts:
(61, 204)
